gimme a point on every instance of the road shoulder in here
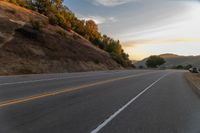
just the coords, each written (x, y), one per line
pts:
(194, 81)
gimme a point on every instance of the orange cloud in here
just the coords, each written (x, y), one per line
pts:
(161, 41)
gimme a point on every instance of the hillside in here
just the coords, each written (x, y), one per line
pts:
(175, 60)
(52, 49)
(169, 56)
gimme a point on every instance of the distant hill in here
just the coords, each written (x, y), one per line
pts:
(174, 60)
(26, 50)
(169, 56)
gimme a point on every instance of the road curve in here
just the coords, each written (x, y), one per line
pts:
(128, 101)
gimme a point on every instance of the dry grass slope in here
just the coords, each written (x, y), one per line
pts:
(26, 50)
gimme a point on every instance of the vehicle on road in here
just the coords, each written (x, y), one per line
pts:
(194, 70)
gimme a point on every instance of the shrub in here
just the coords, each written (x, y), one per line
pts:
(12, 11)
(13, 1)
(62, 22)
(53, 20)
(179, 67)
(21, 3)
(61, 31)
(37, 25)
(24, 70)
(61, 19)
(96, 61)
(27, 32)
(155, 61)
(66, 25)
(76, 37)
(188, 67)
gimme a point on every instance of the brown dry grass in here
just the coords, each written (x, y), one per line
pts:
(194, 80)
(46, 51)
(22, 14)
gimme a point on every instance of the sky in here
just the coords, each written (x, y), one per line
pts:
(146, 27)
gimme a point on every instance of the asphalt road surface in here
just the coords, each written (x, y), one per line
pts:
(128, 101)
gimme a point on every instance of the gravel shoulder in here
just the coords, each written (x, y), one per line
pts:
(194, 80)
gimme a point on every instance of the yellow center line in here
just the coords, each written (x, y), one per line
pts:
(54, 93)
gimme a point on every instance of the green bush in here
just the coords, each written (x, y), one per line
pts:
(155, 61)
(66, 26)
(24, 70)
(37, 25)
(62, 21)
(12, 11)
(53, 20)
(61, 31)
(96, 61)
(13, 1)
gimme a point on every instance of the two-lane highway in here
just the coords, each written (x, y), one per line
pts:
(129, 101)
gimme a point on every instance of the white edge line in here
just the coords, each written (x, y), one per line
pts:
(125, 106)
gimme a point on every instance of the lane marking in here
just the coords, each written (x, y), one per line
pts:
(51, 79)
(53, 93)
(102, 125)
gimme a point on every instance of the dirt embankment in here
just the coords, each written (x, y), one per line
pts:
(25, 50)
(194, 80)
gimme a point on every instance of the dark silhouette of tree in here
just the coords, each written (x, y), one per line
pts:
(42, 6)
(154, 61)
(58, 4)
(188, 67)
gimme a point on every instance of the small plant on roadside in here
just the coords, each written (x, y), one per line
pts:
(61, 31)
(12, 11)
(24, 70)
(53, 20)
(13, 1)
(96, 61)
(37, 25)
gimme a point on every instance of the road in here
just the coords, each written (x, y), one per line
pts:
(126, 101)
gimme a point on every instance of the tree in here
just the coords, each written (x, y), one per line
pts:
(114, 47)
(188, 67)
(58, 4)
(154, 61)
(79, 27)
(91, 29)
(42, 6)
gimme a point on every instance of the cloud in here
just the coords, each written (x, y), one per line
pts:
(99, 19)
(111, 2)
(112, 19)
(96, 19)
(120, 2)
(172, 41)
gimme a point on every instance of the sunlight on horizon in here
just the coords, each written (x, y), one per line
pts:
(182, 38)
(146, 27)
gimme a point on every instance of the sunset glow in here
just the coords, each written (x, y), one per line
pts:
(147, 27)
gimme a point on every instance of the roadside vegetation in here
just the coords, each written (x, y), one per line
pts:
(194, 80)
(59, 15)
(155, 61)
(185, 67)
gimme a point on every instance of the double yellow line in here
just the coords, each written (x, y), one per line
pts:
(57, 92)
